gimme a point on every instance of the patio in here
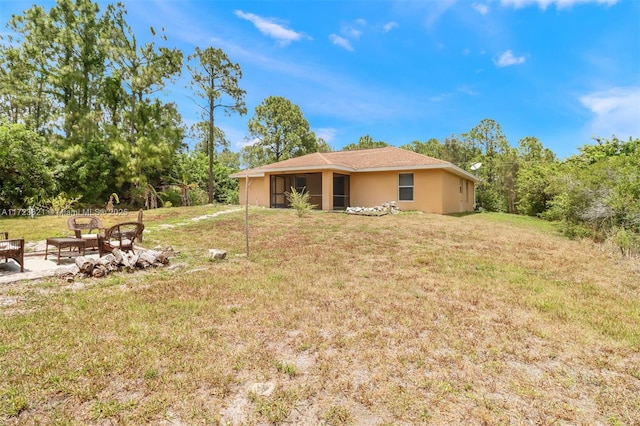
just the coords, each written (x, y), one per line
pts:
(35, 266)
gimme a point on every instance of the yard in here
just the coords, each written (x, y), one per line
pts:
(333, 319)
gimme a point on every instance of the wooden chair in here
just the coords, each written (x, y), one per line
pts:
(122, 236)
(86, 227)
(12, 249)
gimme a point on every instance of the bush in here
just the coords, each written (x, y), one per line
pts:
(301, 201)
(61, 202)
(198, 197)
(171, 196)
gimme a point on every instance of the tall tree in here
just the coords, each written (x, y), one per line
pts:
(537, 167)
(498, 166)
(431, 148)
(216, 79)
(24, 71)
(147, 133)
(280, 131)
(365, 142)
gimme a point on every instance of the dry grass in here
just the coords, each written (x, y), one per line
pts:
(334, 319)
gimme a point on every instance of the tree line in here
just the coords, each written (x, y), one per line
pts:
(82, 118)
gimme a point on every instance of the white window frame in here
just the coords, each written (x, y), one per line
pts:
(412, 186)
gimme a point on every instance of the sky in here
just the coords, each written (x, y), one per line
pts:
(564, 71)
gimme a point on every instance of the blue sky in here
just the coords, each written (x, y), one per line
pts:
(560, 70)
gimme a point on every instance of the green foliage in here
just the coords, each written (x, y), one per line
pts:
(599, 190)
(171, 197)
(365, 142)
(498, 171)
(214, 78)
(491, 200)
(537, 167)
(62, 202)
(80, 78)
(301, 201)
(624, 240)
(191, 170)
(198, 197)
(280, 131)
(26, 179)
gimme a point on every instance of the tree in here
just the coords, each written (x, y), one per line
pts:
(431, 148)
(24, 86)
(537, 166)
(365, 142)
(496, 192)
(280, 131)
(599, 189)
(26, 179)
(80, 78)
(144, 133)
(216, 80)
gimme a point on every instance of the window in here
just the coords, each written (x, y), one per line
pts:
(461, 185)
(405, 187)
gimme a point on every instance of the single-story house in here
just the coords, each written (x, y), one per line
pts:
(363, 178)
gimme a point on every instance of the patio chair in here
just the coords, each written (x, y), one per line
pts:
(12, 249)
(122, 236)
(87, 228)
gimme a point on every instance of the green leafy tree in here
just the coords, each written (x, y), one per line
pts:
(323, 146)
(80, 77)
(599, 189)
(499, 166)
(25, 94)
(279, 131)
(216, 79)
(365, 142)
(432, 148)
(143, 133)
(453, 149)
(26, 179)
(537, 167)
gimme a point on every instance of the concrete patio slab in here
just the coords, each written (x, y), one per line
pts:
(35, 267)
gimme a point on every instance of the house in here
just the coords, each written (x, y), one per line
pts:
(363, 178)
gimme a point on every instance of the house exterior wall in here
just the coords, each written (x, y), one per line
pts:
(435, 191)
(457, 194)
(258, 191)
(374, 188)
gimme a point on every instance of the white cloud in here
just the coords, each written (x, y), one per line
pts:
(616, 112)
(341, 41)
(327, 133)
(389, 26)
(482, 9)
(270, 28)
(246, 142)
(351, 32)
(507, 59)
(560, 4)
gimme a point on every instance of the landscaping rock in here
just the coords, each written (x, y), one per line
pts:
(386, 208)
(217, 254)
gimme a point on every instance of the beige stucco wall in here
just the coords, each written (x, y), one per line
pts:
(372, 189)
(435, 191)
(258, 191)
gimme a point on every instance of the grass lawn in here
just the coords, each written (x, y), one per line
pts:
(333, 319)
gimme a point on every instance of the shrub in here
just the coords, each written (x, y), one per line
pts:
(301, 201)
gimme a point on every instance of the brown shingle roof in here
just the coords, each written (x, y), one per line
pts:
(387, 158)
